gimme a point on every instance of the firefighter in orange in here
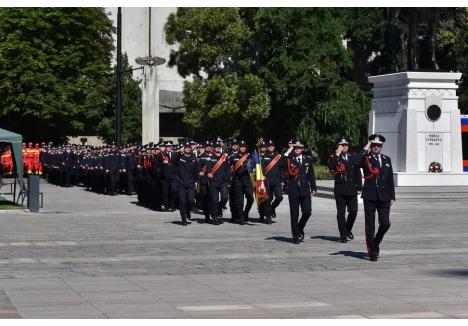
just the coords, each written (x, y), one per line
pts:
(25, 169)
(35, 165)
(6, 162)
(29, 158)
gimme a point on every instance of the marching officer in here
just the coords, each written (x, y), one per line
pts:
(163, 162)
(378, 192)
(203, 190)
(241, 185)
(218, 172)
(185, 169)
(301, 188)
(232, 152)
(272, 167)
(348, 183)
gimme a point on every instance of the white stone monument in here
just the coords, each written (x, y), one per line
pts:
(418, 114)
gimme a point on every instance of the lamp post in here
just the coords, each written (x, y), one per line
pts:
(118, 113)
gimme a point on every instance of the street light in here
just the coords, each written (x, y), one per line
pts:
(150, 61)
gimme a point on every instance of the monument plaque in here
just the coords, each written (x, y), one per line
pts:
(434, 149)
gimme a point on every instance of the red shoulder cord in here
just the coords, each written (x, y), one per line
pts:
(340, 169)
(374, 172)
(294, 171)
(147, 163)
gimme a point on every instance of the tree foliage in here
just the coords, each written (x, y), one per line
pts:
(224, 98)
(54, 70)
(303, 60)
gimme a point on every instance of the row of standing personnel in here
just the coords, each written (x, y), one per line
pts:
(165, 176)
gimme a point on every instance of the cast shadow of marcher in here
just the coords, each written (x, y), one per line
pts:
(282, 239)
(327, 238)
(178, 222)
(355, 254)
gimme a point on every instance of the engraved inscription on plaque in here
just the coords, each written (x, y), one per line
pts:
(434, 148)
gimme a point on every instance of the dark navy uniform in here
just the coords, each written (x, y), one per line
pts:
(301, 183)
(241, 186)
(204, 194)
(186, 171)
(348, 181)
(112, 165)
(378, 192)
(274, 180)
(218, 184)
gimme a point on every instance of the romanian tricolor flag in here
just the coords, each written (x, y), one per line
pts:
(464, 130)
(257, 178)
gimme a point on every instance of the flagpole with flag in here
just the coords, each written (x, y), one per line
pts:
(256, 176)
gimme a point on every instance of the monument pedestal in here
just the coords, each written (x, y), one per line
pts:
(418, 114)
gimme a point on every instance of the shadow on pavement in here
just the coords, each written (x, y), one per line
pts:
(282, 239)
(178, 222)
(355, 254)
(327, 238)
(456, 272)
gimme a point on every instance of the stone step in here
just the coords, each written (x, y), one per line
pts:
(421, 194)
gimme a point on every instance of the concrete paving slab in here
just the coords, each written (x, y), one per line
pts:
(91, 256)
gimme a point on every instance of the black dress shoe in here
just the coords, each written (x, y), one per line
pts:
(273, 214)
(268, 220)
(184, 223)
(343, 240)
(350, 235)
(377, 251)
(373, 256)
(301, 235)
(296, 241)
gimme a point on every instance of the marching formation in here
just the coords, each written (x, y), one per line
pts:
(208, 177)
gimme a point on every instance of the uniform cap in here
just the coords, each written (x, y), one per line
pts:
(298, 143)
(377, 139)
(342, 141)
(270, 143)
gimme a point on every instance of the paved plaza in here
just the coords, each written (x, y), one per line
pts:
(93, 256)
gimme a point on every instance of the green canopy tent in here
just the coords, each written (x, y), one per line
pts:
(16, 141)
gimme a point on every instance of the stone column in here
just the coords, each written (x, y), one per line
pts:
(150, 106)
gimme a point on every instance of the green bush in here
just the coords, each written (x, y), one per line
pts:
(322, 172)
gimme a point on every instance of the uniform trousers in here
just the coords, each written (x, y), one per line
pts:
(343, 202)
(204, 196)
(383, 209)
(186, 200)
(275, 190)
(305, 202)
(218, 198)
(240, 191)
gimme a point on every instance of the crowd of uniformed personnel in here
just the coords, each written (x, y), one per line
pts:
(30, 153)
(206, 176)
